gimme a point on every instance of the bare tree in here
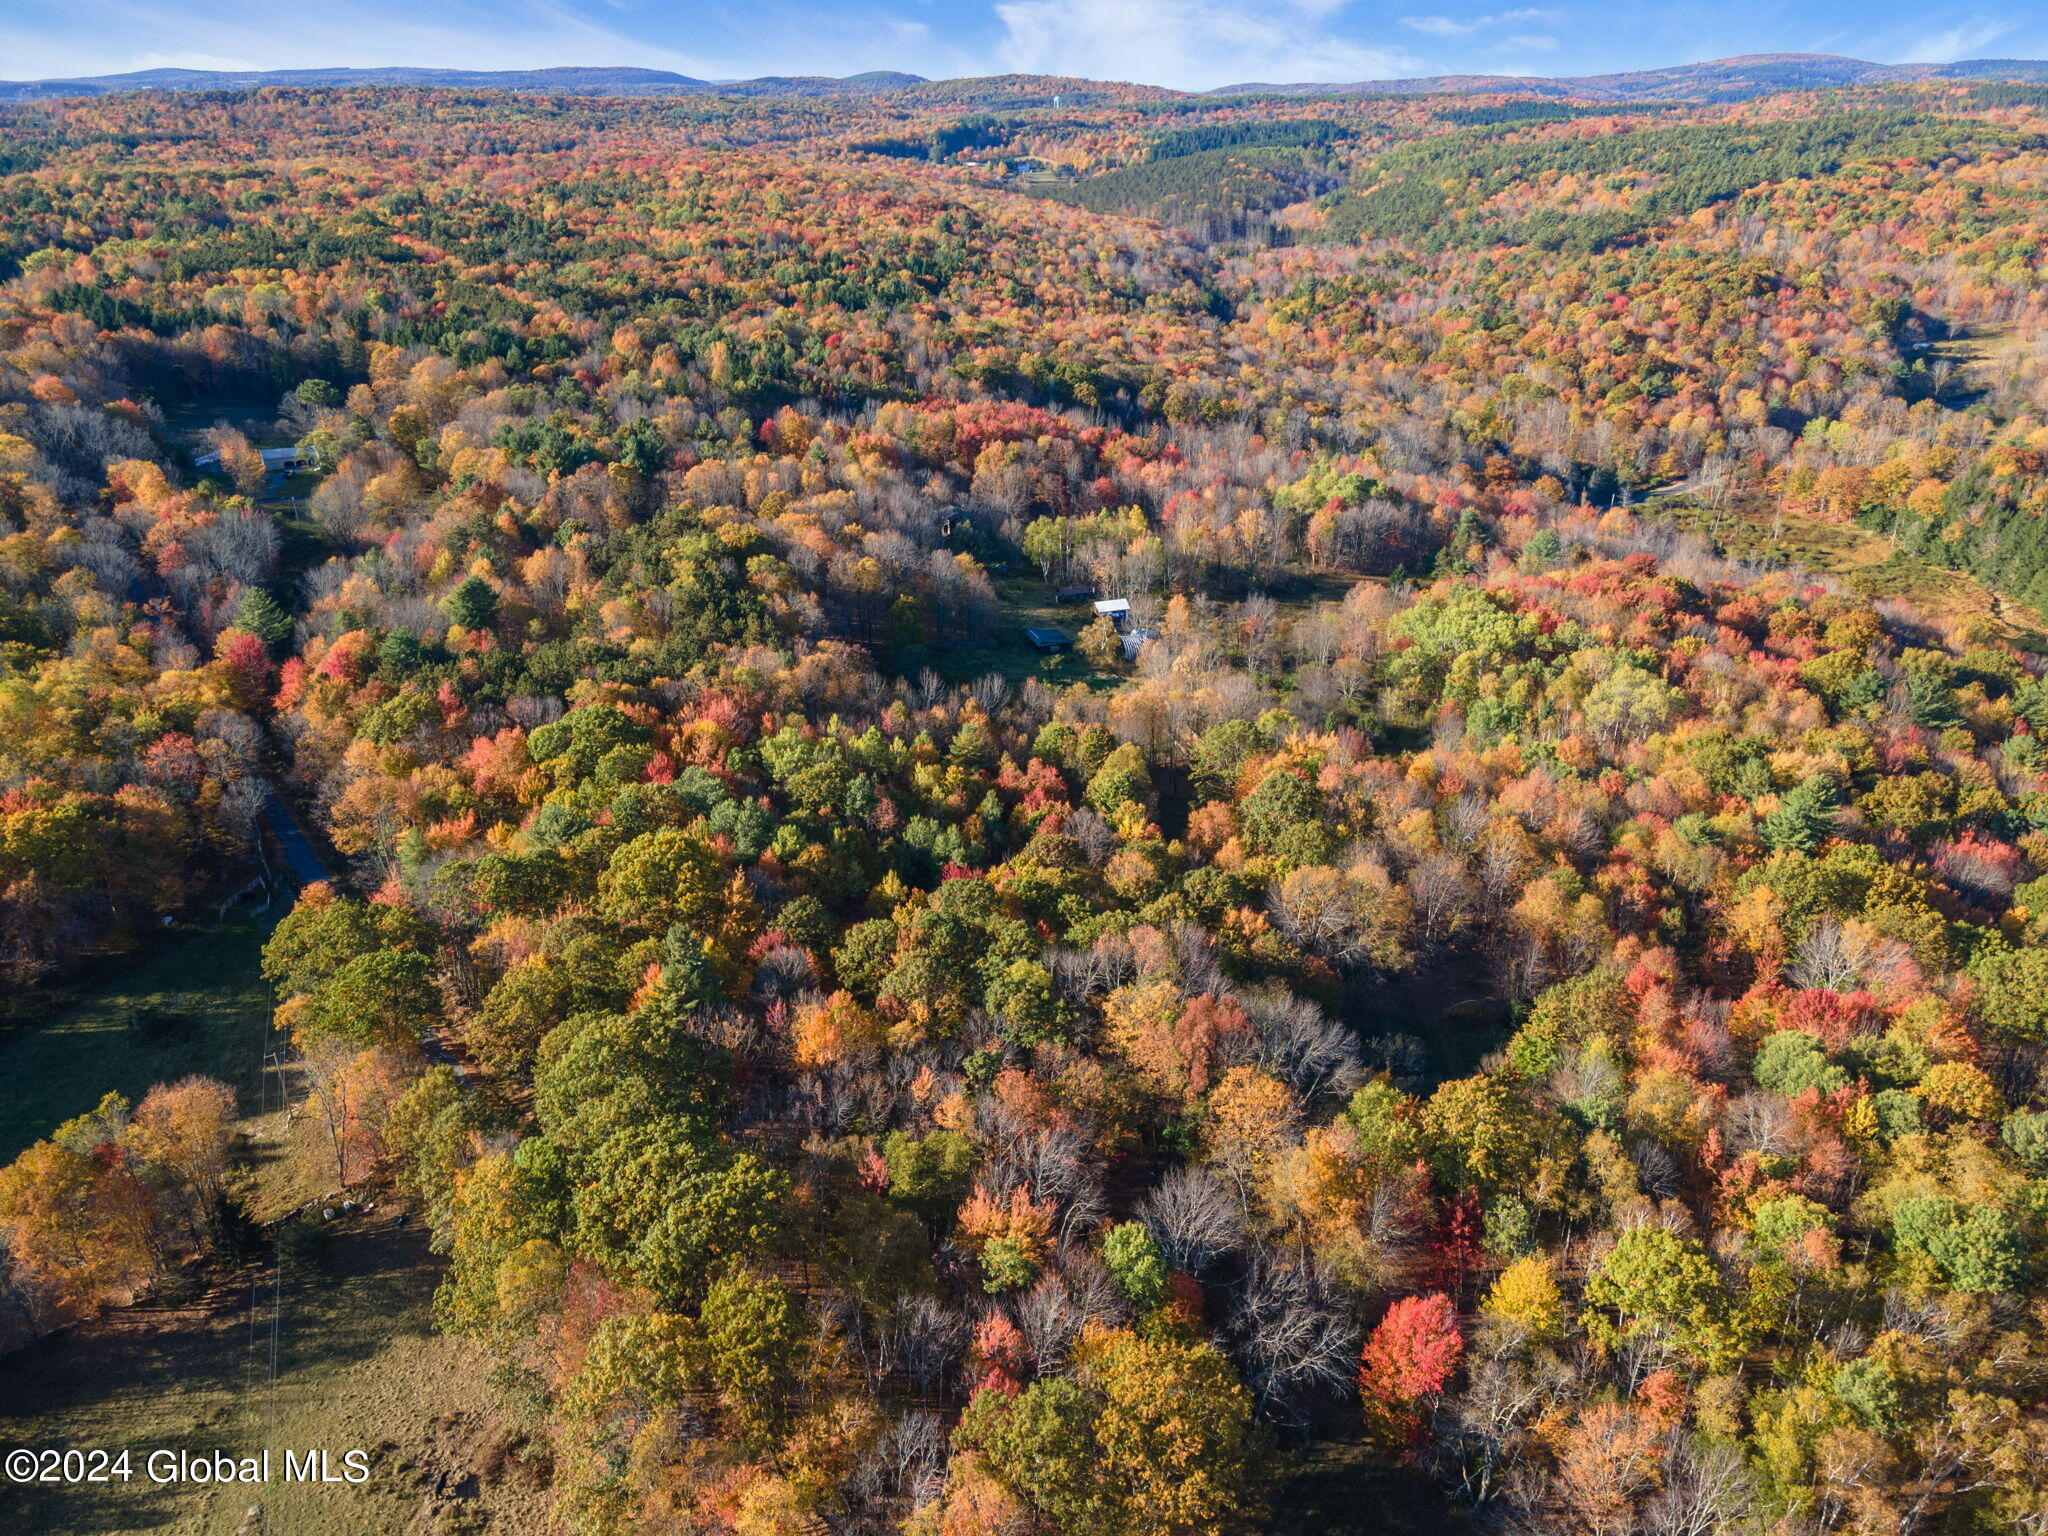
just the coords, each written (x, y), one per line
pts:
(1482, 1432)
(1760, 1122)
(1095, 836)
(1050, 1321)
(1836, 957)
(1194, 1217)
(1444, 895)
(1298, 1043)
(925, 1340)
(916, 1449)
(326, 1062)
(1293, 1336)
(1052, 1163)
(240, 545)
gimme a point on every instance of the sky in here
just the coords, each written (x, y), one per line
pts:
(1189, 44)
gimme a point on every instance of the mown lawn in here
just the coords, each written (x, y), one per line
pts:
(197, 1005)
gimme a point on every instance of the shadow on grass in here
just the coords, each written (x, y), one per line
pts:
(197, 1378)
(197, 1005)
(1339, 1490)
(145, 1379)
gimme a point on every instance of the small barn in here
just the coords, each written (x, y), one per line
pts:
(1115, 609)
(276, 460)
(1051, 641)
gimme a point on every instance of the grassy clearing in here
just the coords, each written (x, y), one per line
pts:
(1338, 1489)
(198, 1004)
(287, 1158)
(1027, 603)
(171, 1378)
(183, 424)
(1981, 357)
(359, 1367)
(1451, 1010)
(1869, 563)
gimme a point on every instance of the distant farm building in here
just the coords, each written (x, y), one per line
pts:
(276, 460)
(1073, 594)
(1134, 642)
(1051, 641)
(1115, 609)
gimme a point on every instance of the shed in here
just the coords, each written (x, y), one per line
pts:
(285, 459)
(1134, 642)
(1073, 594)
(1115, 609)
(1050, 639)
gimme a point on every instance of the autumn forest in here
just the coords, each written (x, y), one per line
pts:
(1505, 989)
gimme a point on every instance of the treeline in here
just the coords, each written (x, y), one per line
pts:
(1659, 174)
(1495, 113)
(1301, 133)
(1218, 193)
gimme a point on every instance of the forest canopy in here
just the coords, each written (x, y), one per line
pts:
(1460, 974)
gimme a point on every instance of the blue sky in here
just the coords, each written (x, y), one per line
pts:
(1186, 43)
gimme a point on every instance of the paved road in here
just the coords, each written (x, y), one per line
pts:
(306, 865)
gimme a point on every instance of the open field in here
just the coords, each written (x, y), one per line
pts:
(358, 1367)
(1337, 1489)
(1436, 1023)
(1027, 603)
(1977, 359)
(256, 420)
(197, 1004)
(1871, 564)
(341, 1355)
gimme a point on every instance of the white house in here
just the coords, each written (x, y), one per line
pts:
(286, 459)
(1115, 609)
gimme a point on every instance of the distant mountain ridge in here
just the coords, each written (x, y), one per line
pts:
(572, 80)
(1731, 79)
(1752, 74)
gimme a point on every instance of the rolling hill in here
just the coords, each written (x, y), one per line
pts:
(576, 80)
(1754, 74)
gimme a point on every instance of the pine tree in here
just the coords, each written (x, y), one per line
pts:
(1803, 818)
(260, 614)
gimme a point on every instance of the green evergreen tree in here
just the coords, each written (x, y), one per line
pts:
(473, 605)
(259, 613)
(1804, 816)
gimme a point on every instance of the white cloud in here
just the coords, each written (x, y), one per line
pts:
(1440, 26)
(1962, 41)
(1466, 26)
(1192, 44)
